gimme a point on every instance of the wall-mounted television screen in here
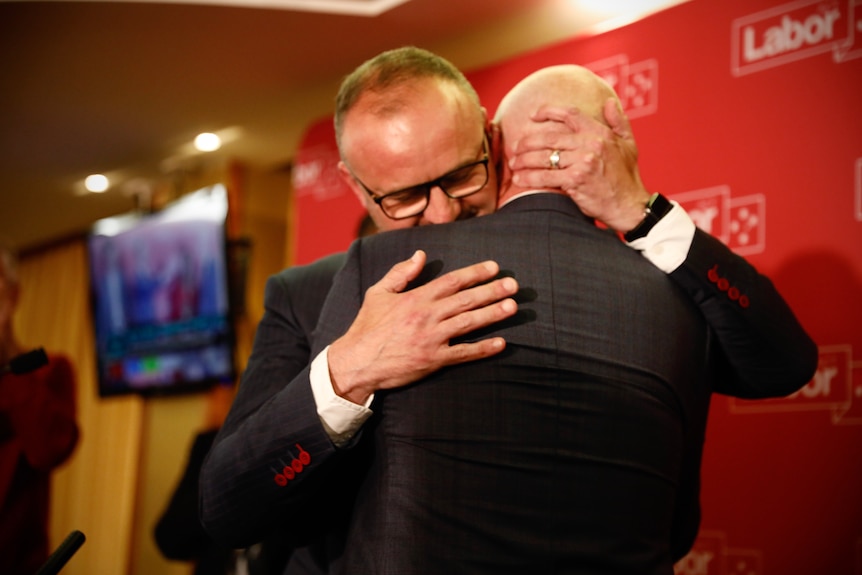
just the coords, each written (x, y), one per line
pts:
(160, 305)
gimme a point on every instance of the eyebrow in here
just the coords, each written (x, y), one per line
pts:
(485, 154)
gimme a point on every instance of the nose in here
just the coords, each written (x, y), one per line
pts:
(441, 208)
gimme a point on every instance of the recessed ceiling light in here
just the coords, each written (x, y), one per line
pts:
(96, 183)
(207, 142)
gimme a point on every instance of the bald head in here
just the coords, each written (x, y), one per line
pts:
(564, 131)
(567, 86)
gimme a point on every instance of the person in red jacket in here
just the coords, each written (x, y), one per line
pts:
(38, 432)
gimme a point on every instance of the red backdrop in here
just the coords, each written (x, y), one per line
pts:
(749, 113)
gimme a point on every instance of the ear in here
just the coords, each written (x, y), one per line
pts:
(351, 182)
(495, 142)
(497, 156)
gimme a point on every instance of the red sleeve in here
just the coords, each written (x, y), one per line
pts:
(41, 408)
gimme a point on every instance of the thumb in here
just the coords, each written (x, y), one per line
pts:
(402, 273)
(616, 119)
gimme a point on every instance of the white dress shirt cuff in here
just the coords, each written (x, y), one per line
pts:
(341, 418)
(667, 243)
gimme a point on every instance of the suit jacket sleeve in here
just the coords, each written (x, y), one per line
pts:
(265, 464)
(768, 352)
(342, 302)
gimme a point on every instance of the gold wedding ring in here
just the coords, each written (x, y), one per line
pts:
(554, 160)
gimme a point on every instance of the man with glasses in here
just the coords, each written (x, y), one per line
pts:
(246, 497)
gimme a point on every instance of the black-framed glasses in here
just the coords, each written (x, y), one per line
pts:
(459, 183)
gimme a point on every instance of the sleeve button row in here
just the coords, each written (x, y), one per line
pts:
(723, 284)
(296, 466)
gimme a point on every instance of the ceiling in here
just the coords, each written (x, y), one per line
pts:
(122, 88)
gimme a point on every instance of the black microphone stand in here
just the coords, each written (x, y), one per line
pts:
(62, 554)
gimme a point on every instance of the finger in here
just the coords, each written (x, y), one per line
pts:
(571, 117)
(537, 160)
(401, 274)
(546, 179)
(478, 297)
(469, 321)
(464, 352)
(616, 119)
(545, 141)
(580, 156)
(575, 122)
(573, 167)
(570, 150)
(459, 279)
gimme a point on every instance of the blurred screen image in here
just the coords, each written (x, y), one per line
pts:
(160, 301)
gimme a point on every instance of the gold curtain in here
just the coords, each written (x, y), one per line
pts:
(94, 491)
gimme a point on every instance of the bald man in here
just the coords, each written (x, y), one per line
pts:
(577, 449)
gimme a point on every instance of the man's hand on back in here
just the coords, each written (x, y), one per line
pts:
(398, 338)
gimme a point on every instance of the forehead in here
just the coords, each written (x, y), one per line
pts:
(411, 134)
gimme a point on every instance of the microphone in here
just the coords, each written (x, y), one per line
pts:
(26, 362)
(62, 554)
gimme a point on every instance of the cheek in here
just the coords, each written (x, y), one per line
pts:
(482, 203)
(380, 220)
(385, 224)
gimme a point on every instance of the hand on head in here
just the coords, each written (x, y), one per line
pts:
(573, 112)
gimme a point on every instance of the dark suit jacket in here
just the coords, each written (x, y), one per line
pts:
(274, 413)
(293, 300)
(578, 449)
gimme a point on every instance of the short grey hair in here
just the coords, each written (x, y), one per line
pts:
(393, 68)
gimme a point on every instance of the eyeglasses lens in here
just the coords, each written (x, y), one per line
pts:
(457, 184)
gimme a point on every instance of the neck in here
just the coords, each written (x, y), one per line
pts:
(514, 192)
(509, 190)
